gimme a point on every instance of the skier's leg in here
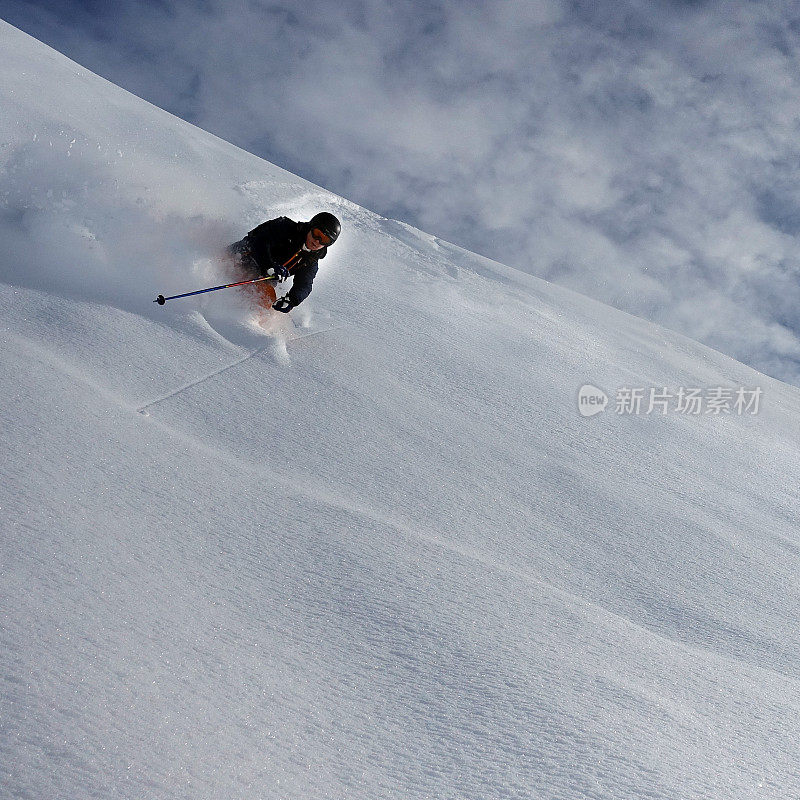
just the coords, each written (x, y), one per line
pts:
(243, 258)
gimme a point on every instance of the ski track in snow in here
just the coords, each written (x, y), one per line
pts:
(394, 564)
(143, 409)
(280, 341)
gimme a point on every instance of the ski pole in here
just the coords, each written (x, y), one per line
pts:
(161, 299)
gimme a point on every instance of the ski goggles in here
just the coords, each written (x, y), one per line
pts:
(321, 236)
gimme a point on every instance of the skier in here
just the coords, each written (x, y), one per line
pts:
(281, 247)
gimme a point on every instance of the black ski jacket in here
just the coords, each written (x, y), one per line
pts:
(276, 241)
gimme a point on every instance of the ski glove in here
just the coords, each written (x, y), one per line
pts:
(284, 305)
(278, 272)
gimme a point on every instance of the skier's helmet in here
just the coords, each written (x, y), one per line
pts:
(327, 225)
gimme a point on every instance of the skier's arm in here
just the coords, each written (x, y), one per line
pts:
(303, 281)
(264, 235)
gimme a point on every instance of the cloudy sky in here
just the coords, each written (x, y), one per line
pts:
(644, 153)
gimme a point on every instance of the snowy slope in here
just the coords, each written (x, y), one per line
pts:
(389, 559)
